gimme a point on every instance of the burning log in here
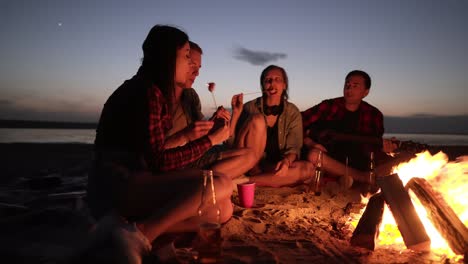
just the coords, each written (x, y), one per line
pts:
(386, 168)
(441, 215)
(398, 200)
(367, 229)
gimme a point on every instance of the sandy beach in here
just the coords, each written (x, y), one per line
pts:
(287, 225)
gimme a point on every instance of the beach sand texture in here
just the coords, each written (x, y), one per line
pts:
(288, 225)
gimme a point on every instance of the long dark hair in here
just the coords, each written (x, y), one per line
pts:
(159, 57)
(285, 79)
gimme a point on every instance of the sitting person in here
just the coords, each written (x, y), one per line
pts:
(222, 158)
(139, 188)
(280, 146)
(346, 130)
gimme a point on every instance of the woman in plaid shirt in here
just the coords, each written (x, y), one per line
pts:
(137, 189)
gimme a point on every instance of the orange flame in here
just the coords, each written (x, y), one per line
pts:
(447, 178)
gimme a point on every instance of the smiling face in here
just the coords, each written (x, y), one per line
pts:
(197, 63)
(273, 83)
(355, 89)
(183, 65)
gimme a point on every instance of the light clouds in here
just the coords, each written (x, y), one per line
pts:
(257, 57)
(418, 63)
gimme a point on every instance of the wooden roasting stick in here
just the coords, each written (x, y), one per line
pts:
(367, 229)
(408, 222)
(441, 215)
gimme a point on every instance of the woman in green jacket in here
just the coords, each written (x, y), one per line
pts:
(279, 165)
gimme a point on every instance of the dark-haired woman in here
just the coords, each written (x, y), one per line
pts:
(138, 188)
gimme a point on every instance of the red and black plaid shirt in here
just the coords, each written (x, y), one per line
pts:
(370, 123)
(160, 121)
(370, 118)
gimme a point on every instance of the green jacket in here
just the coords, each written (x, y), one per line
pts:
(289, 125)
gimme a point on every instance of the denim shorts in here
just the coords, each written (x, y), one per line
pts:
(209, 158)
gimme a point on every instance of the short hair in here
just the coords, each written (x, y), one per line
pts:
(285, 78)
(194, 46)
(159, 56)
(363, 74)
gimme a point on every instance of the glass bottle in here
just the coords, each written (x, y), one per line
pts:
(372, 184)
(208, 244)
(317, 182)
(372, 169)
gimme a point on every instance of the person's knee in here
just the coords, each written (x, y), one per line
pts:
(313, 154)
(257, 122)
(250, 157)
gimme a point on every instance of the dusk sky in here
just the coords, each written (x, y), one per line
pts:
(60, 60)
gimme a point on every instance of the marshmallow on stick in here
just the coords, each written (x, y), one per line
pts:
(211, 87)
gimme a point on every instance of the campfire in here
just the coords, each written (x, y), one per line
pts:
(428, 198)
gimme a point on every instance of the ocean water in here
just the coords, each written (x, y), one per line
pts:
(433, 139)
(38, 135)
(86, 136)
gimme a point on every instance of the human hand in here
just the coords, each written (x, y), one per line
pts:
(219, 135)
(221, 113)
(389, 145)
(198, 129)
(237, 103)
(282, 168)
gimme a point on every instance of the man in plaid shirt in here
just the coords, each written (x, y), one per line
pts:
(348, 115)
(228, 158)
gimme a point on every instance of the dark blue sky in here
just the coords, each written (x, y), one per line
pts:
(60, 60)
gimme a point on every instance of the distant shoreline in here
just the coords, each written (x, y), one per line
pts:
(46, 124)
(393, 125)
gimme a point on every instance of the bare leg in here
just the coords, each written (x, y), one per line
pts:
(253, 135)
(248, 149)
(335, 167)
(191, 224)
(298, 173)
(168, 200)
(235, 162)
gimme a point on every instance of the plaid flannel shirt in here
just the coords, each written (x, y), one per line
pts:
(370, 119)
(160, 121)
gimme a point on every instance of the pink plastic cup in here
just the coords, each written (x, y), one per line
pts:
(246, 194)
